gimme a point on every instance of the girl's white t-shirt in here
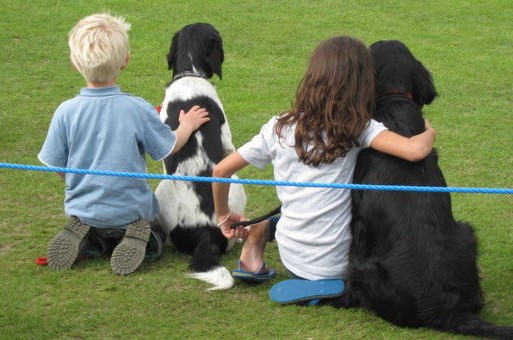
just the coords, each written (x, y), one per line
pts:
(313, 232)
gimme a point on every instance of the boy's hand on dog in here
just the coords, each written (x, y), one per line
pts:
(195, 117)
(189, 122)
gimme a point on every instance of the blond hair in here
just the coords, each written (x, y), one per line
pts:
(99, 47)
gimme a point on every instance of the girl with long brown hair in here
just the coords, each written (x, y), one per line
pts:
(317, 140)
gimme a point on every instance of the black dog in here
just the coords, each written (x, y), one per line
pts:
(411, 263)
(187, 208)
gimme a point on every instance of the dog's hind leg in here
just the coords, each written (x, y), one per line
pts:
(166, 193)
(205, 261)
(369, 286)
(208, 250)
(349, 299)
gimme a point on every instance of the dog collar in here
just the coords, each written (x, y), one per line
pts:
(406, 94)
(187, 74)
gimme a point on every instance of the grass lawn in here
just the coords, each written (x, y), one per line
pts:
(468, 46)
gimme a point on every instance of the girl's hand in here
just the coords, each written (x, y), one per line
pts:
(225, 220)
(427, 125)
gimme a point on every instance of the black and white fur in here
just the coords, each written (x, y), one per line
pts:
(186, 208)
(411, 262)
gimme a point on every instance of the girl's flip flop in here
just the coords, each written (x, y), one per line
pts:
(296, 290)
(257, 276)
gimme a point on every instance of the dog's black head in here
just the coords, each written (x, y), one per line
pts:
(397, 71)
(196, 48)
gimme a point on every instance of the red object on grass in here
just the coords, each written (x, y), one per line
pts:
(42, 261)
(158, 108)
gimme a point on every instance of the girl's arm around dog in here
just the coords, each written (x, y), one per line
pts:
(413, 149)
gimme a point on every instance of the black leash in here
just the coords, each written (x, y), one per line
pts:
(256, 220)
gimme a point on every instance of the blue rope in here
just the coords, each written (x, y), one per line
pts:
(258, 182)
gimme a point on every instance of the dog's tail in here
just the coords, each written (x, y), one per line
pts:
(219, 277)
(206, 260)
(473, 324)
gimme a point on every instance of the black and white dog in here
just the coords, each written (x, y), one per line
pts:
(411, 262)
(186, 208)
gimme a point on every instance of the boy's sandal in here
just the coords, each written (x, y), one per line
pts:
(306, 291)
(259, 276)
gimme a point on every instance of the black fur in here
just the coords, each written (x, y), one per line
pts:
(212, 143)
(201, 41)
(199, 241)
(187, 209)
(411, 263)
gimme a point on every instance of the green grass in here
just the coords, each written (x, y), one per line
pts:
(466, 44)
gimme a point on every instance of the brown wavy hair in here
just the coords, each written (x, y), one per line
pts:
(334, 101)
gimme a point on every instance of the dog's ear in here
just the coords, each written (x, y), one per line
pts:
(171, 56)
(214, 55)
(424, 88)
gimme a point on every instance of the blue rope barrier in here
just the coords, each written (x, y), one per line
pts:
(259, 182)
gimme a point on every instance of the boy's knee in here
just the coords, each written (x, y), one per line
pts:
(155, 244)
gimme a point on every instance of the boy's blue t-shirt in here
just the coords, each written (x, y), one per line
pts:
(106, 129)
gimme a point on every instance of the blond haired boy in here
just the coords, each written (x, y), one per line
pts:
(103, 128)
